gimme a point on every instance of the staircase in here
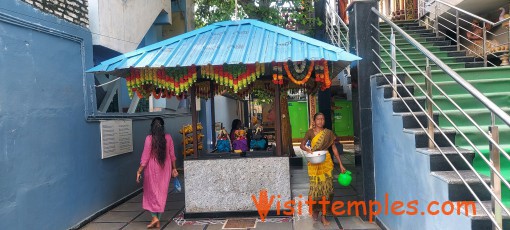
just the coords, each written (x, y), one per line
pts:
(493, 82)
(438, 45)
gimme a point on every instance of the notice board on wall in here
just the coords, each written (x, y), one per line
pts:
(116, 137)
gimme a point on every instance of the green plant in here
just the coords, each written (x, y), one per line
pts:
(297, 12)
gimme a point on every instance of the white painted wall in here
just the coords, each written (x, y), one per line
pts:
(121, 24)
(226, 111)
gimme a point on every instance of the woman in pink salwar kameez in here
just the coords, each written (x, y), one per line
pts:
(158, 160)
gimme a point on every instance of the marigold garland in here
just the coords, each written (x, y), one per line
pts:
(171, 81)
(236, 77)
(305, 79)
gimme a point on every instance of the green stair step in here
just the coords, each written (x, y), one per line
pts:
(414, 36)
(399, 22)
(415, 50)
(482, 85)
(466, 101)
(409, 45)
(413, 56)
(476, 137)
(400, 40)
(466, 73)
(482, 117)
(387, 33)
(422, 61)
(482, 168)
(411, 68)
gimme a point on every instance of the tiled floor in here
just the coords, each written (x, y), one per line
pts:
(130, 215)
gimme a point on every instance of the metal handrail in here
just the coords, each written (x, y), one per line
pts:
(462, 45)
(455, 76)
(447, 117)
(470, 14)
(484, 40)
(431, 138)
(335, 34)
(335, 12)
(338, 33)
(454, 103)
(485, 52)
(496, 217)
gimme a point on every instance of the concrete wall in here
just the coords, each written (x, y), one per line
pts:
(404, 174)
(121, 25)
(52, 173)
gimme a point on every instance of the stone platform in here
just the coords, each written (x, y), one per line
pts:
(224, 186)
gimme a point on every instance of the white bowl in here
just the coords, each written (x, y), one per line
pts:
(316, 157)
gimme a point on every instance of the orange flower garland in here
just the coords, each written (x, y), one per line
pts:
(302, 82)
(277, 73)
(322, 74)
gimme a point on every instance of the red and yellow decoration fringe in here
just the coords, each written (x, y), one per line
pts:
(236, 76)
(160, 82)
(322, 74)
(232, 78)
(277, 73)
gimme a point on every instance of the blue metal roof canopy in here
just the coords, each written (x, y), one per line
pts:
(229, 42)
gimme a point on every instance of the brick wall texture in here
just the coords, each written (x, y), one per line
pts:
(74, 11)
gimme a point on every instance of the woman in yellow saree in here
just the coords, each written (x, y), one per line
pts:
(321, 179)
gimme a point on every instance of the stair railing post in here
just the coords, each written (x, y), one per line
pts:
(495, 180)
(508, 43)
(339, 37)
(484, 45)
(347, 48)
(430, 112)
(436, 18)
(405, 10)
(457, 29)
(393, 51)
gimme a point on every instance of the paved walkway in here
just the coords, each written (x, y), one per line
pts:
(130, 215)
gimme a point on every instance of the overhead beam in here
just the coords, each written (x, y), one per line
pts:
(134, 104)
(111, 90)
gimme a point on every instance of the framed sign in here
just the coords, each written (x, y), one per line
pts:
(116, 137)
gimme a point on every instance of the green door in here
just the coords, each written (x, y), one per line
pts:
(342, 118)
(298, 112)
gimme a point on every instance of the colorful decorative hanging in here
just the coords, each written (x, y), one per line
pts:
(297, 73)
(235, 76)
(322, 74)
(160, 82)
(277, 73)
(204, 90)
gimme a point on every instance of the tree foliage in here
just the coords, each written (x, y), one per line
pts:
(298, 14)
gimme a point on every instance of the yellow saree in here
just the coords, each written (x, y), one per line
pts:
(321, 182)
